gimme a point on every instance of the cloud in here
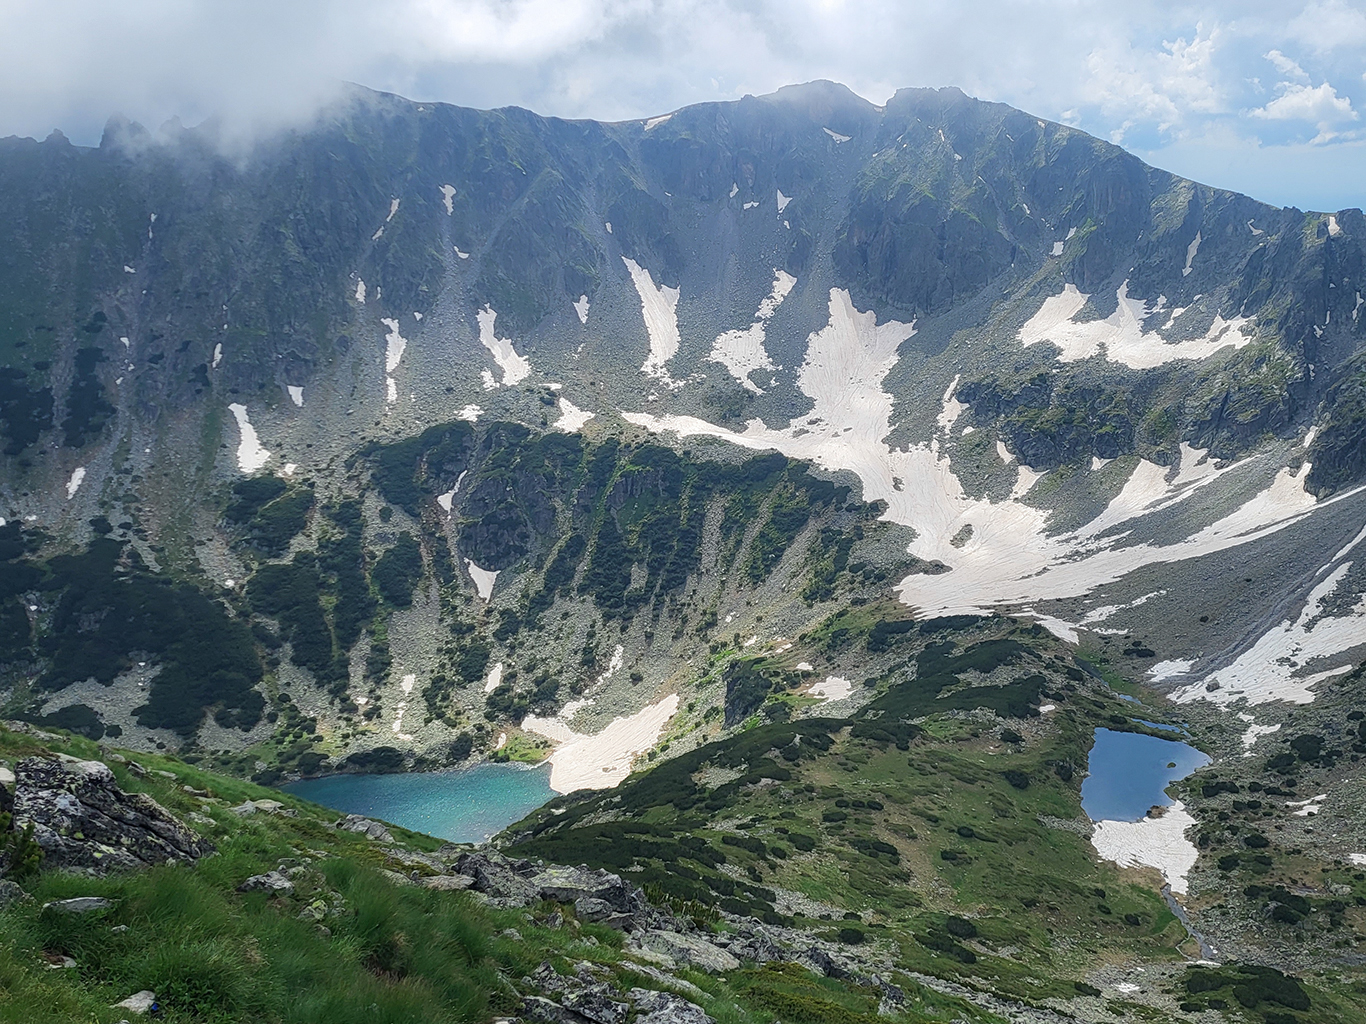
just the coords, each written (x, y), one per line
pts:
(1329, 25)
(1286, 66)
(1147, 73)
(1319, 104)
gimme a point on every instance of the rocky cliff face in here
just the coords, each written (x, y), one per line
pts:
(425, 419)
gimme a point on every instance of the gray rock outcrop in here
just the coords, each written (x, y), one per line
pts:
(272, 882)
(82, 820)
(363, 826)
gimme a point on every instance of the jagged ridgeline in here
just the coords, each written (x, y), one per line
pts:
(613, 529)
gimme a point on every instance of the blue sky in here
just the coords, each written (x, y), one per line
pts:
(1263, 97)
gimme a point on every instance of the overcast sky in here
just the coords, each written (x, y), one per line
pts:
(1263, 96)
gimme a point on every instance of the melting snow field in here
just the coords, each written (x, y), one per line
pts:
(1275, 667)
(832, 688)
(572, 418)
(394, 346)
(743, 352)
(1151, 842)
(296, 395)
(1009, 561)
(604, 760)
(581, 308)
(1121, 334)
(250, 455)
(74, 484)
(659, 306)
(515, 368)
(483, 579)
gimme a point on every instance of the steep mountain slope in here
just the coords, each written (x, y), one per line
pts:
(792, 437)
(945, 297)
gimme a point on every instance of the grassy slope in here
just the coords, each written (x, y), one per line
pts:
(1045, 912)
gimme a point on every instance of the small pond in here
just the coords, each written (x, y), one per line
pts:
(1130, 771)
(465, 805)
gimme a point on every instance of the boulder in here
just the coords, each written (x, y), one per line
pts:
(666, 1008)
(10, 892)
(675, 948)
(272, 882)
(82, 819)
(505, 882)
(138, 1002)
(79, 905)
(447, 883)
(365, 827)
(547, 1011)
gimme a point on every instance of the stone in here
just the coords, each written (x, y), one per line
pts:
(6, 777)
(675, 948)
(447, 883)
(502, 880)
(366, 827)
(10, 892)
(58, 961)
(272, 882)
(138, 1002)
(79, 905)
(547, 1011)
(669, 980)
(81, 819)
(666, 1008)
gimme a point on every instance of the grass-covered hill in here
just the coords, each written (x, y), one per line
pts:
(923, 858)
(325, 594)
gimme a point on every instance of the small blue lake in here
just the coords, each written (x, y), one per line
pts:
(1129, 773)
(465, 805)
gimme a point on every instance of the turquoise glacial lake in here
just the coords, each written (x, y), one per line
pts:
(465, 805)
(1130, 773)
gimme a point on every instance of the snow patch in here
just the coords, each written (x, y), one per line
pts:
(743, 352)
(952, 408)
(832, 688)
(515, 368)
(296, 395)
(1275, 667)
(837, 136)
(74, 484)
(659, 306)
(217, 356)
(1063, 630)
(445, 500)
(604, 760)
(1057, 248)
(750, 205)
(360, 291)
(448, 198)
(394, 345)
(1305, 808)
(581, 308)
(462, 255)
(783, 201)
(1254, 732)
(572, 418)
(1173, 669)
(1121, 334)
(1334, 230)
(655, 122)
(1191, 250)
(495, 678)
(1151, 842)
(483, 579)
(250, 455)
(470, 413)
